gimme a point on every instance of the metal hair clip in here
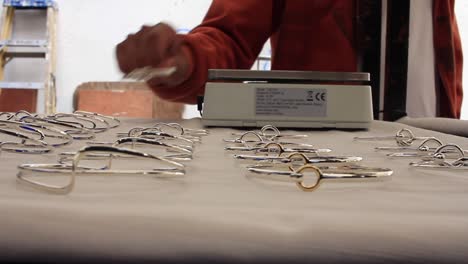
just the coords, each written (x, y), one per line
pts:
(27, 145)
(439, 159)
(110, 120)
(178, 153)
(272, 133)
(404, 137)
(276, 149)
(177, 169)
(323, 173)
(300, 158)
(147, 73)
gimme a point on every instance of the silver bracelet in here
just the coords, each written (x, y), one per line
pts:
(272, 133)
(404, 137)
(95, 124)
(113, 122)
(178, 153)
(74, 129)
(449, 156)
(276, 149)
(147, 73)
(46, 131)
(74, 169)
(181, 131)
(323, 174)
(300, 158)
(27, 144)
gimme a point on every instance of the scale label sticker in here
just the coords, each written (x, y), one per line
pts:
(291, 102)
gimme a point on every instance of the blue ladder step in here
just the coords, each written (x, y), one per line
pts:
(29, 4)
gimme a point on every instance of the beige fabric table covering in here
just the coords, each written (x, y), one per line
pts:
(217, 213)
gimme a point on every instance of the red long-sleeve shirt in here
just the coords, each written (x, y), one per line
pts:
(312, 35)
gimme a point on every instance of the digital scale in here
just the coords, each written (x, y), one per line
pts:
(294, 99)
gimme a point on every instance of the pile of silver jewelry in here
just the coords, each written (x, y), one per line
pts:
(431, 152)
(277, 156)
(168, 143)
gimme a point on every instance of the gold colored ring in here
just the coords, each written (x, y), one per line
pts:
(309, 188)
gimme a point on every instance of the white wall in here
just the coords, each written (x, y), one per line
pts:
(88, 31)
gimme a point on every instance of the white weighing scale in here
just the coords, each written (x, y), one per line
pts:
(294, 99)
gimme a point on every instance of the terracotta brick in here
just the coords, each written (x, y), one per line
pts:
(125, 99)
(12, 100)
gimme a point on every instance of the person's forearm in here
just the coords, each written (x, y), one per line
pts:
(230, 37)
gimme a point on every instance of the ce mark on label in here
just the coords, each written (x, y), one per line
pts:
(316, 96)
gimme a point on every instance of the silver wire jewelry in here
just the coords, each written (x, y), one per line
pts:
(182, 131)
(179, 153)
(74, 129)
(429, 144)
(21, 128)
(74, 169)
(43, 130)
(439, 159)
(152, 142)
(277, 149)
(404, 137)
(5, 116)
(323, 173)
(147, 73)
(271, 133)
(28, 145)
(154, 133)
(312, 158)
(175, 131)
(17, 115)
(113, 122)
(257, 140)
(426, 149)
(95, 123)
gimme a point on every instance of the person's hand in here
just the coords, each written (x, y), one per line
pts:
(156, 46)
